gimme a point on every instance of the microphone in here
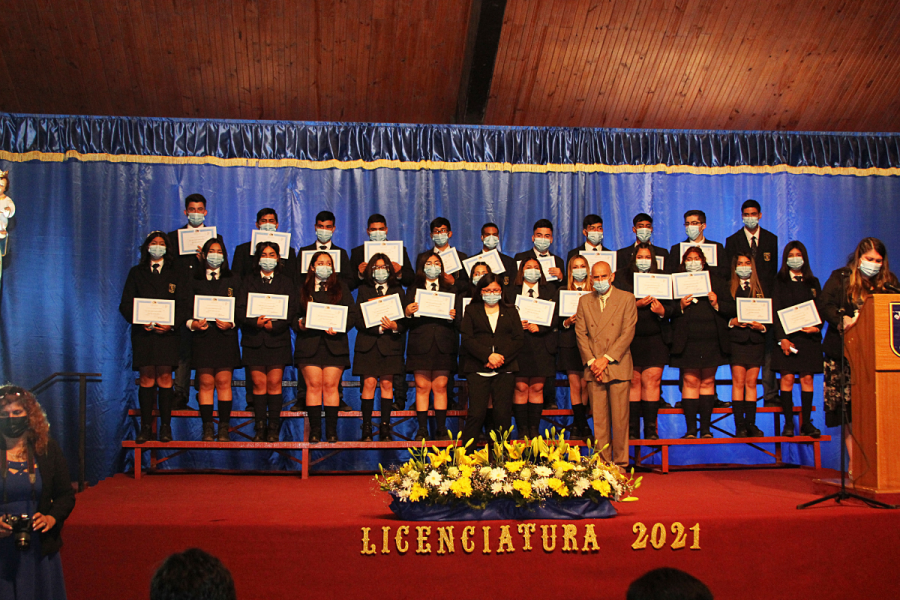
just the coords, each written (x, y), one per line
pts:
(891, 287)
(844, 272)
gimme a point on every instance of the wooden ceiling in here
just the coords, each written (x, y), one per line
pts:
(829, 65)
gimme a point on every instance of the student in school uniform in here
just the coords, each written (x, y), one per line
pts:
(320, 355)
(568, 357)
(542, 239)
(695, 228)
(642, 226)
(155, 347)
(441, 233)
(432, 347)
(378, 355)
(377, 230)
(325, 228)
(592, 229)
(537, 359)
(748, 347)
(243, 262)
(490, 240)
(266, 341)
(215, 350)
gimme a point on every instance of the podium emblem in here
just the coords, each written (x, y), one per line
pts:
(895, 327)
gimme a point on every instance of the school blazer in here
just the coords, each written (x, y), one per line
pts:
(389, 344)
(767, 263)
(407, 275)
(257, 337)
(307, 342)
(607, 332)
(347, 274)
(242, 262)
(727, 309)
(228, 287)
(532, 253)
(170, 284)
(624, 255)
(479, 341)
(550, 335)
(425, 331)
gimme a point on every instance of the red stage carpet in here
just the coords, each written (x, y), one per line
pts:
(286, 538)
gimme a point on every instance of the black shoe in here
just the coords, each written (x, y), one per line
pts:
(664, 404)
(706, 435)
(771, 403)
(366, 433)
(223, 433)
(720, 404)
(398, 405)
(272, 434)
(385, 434)
(331, 438)
(810, 430)
(740, 432)
(421, 435)
(259, 431)
(551, 405)
(180, 402)
(754, 431)
(298, 406)
(344, 407)
(689, 436)
(208, 434)
(678, 404)
(788, 430)
(144, 435)
(165, 433)
(315, 437)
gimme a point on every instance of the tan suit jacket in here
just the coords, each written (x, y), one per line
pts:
(607, 333)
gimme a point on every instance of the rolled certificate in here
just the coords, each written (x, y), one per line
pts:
(535, 310)
(696, 284)
(214, 307)
(146, 311)
(386, 306)
(754, 309)
(794, 318)
(191, 238)
(326, 316)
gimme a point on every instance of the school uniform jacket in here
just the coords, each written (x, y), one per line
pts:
(550, 335)
(228, 287)
(745, 335)
(461, 279)
(358, 256)
(425, 331)
(723, 271)
(307, 342)
(389, 343)
(242, 262)
(348, 273)
(479, 341)
(766, 254)
(170, 284)
(727, 309)
(624, 256)
(509, 267)
(187, 262)
(257, 337)
(532, 253)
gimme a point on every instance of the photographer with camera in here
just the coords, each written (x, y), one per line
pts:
(37, 496)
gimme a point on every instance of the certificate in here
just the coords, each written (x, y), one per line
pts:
(754, 309)
(535, 310)
(660, 263)
(274, 306)
(548, 262)
(465, 305)
(386, 306)
(394, 250)
(450, 258)
(326, 316)
(794, 318)
(435, 304)
(214, 307)
(282, 240)
(306, 258)
(657, 285)
(492, 259)
(150, 310)
(190, 238)
(596, 256)
(568, 302)
(709, 251)
(696, 284)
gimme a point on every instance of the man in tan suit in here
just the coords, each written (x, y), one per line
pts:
(604, 327)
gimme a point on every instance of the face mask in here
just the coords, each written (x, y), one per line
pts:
(196, 219)
(14, 427)
(268, 264)
(532, 275)
(541, 244)
(491, 299)
(795, 262)
(693, 231)
(323, 272)
(157, 251)
(440, 239)
(743, 272)
(692, 266)
(381, 275)
(643, 234)
(595, 237)
(378, 236)
(476, 279)
(869, 268)
(602, 286)
(580, 274)
(268, 227)
(324, 235)
(751, 222)
(432, 271)
(491, 242)
(215, 260)
(643, 264)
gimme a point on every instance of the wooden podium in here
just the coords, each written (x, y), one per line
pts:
(875, 392)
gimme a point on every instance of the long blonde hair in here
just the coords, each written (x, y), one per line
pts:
(859, 287)
(571, 279)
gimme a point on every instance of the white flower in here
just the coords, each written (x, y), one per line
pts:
(525, 474)
(407, 483)
(445, 486)
(414, 475)
(508, 488)
(496, 488)
(433, 479)
(485, 472)
(543, 471)
(498, 474)
(595, 474)
(541, 483)
(453, 472)
(581, 485)
(404, 495)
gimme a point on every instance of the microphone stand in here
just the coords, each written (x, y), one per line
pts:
(843, 494)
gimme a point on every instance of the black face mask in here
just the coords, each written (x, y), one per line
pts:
(13, 427)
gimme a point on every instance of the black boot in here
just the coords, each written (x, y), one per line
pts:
(534, 419)
(689, 406)
(224, 421)
(634, 420)
(787, 407)
(331, 417)
(166, 399)
(707, 402)
(146, 396)
(750, 420)
(806, 401)
(315, 424)
(740, 423)
(206, 411)
(579, 423)
(275, 403)
(650, 410)
(440, 425)
(385, 434)
(520, 412)
(260, 407)
(367, 405)
(422, 431)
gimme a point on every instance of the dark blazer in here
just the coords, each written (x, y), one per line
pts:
(532, 253)
(550, 335)
(479, 341)
(461, 278)
(57, 496)
(348, 273)
(389, 343)
(509, 267)
(723, 271)
(624, 255)
(229, 287)
(307, 342)
(829, 306)
(792, 293)
(425, 331)
(242, 262)
(648, 322)
(744, 335)
(171, 284)
(187, 262)
(358, 256)
(256, 337)
(767, 263)
(727, 305)
(576, 251)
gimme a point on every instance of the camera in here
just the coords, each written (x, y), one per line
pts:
(21, 529)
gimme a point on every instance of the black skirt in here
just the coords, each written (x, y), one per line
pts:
(267, 357)
(534, 359)
(156, 350)
(702, 350)
(748, 353)
(568, 359)
(809, 357)
(372, 363)
(323, 358)
(649, 351)
(433, 360)
(214, 350)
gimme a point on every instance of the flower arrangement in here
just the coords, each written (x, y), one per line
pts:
(527, 472)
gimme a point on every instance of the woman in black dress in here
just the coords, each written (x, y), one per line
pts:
(155, 347)
(748, 348)
(568, 358)
(799, 353)
(700, 344)
(649, 348)
(491, 340)
(479, 270)
(378, 354)
(266, 342)
(215, 352)
(431, 348)
(537, 360)
(320, 355)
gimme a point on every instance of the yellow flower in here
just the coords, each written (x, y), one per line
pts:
(558, 486)
(562, 466)
(466, 471)
(439, 457)
(515, 449)
(417, 492)
(523, 488)
(514, 465)
(602, 486)
(461, 487)
(574, 454)
(480, 458)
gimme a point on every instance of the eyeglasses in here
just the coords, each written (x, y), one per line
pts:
(689, 223)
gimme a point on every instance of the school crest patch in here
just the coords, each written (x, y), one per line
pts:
(895, 327)
(230, 292)
(767, 256)
(171, 288)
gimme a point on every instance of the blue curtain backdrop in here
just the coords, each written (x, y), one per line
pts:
(80, 219)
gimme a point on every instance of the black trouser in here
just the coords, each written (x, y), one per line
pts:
(481, 389)
(181, 382)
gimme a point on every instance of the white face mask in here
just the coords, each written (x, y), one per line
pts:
(579, 273)
(643, 234)
(643, 264)
(692, 266)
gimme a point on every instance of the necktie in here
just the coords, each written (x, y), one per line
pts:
(323, 247)
(268, 280)
(212, 275)
(433, 287)
(753, 246)
(156, 269)
(746, 285)
(380, 290)
(531, 293)
(798, 277)
(602, 303)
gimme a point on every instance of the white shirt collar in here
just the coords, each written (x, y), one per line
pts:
(264, 274)
(326, 244)
(209, 271)
(159, 262)
(530, 286)
(591, 248)
(750, 236)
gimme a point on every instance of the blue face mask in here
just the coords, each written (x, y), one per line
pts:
(490, 242)
(324, 235)
(432, 271)
(532, 275)
(491, 299)
(378, 236)
(643, 234)
(323, 272)
(196, 219)
(601, 286)
(692, 231)
(579, 274)
(869, 268)
(541, 244)
(440, 239)
(595, 237)
(157, 251)
(268, 227)
(795, 262)
(268, 264)
(643, 264)
(215, 260)
(692, 266)
(751, 222)
(380, 274)
(476, 279)
(743, 272)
